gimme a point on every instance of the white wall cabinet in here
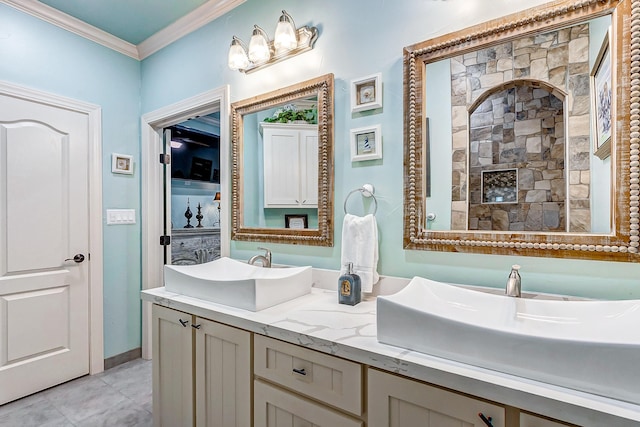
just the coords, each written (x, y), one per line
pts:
(290, 165)
(201, 372)
(399, 402)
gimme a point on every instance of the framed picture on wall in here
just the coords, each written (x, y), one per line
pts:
(366, 93)
(366, 143)
(122, 163)
(601, 84)
(296, 221)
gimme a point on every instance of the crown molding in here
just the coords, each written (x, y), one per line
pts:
(74, 25)
(199, 17)
(185, 25)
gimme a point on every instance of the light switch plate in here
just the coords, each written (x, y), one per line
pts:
(121, 216)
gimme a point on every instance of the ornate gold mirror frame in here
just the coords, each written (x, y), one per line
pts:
(622, 243)
(322, 87)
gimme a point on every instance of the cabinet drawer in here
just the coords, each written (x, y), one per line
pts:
(529, 420)
(274, 407)
(329, 379)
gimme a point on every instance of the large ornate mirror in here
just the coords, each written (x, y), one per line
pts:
(515, 142)
(282, 165)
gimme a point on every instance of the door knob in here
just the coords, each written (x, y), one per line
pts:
(76, 258)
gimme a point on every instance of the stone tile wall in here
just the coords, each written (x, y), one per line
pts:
(550, 70)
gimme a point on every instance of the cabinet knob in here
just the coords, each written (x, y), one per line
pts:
(184, 323)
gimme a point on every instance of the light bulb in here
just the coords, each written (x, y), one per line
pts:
(237, 55)
(286, 37)
(259, 46)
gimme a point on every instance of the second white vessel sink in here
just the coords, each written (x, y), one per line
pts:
(238, 284)
(591, 346)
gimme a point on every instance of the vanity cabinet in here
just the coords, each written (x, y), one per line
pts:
(201, 371)
(290, 165)
(394, 401)
(207, 373)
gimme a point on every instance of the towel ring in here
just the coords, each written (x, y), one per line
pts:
(366, 190)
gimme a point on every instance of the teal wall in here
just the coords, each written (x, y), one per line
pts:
(358, 38)
(44, 57)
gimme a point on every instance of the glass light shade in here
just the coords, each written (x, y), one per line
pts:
(237, 56)
(259, 46)
(285, 37)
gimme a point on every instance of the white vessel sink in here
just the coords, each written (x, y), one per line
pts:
(591, 346)
(238, 284)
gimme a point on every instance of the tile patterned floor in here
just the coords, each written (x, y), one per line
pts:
(120, 396)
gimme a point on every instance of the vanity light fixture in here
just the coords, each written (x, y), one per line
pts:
(288, 41)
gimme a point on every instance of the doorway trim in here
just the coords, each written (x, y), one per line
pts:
(152, 194)
(94, 165)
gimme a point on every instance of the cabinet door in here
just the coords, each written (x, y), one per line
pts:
(223, 375)
(309, 168)
(281, 168)
(400, 402)
(172, 368)
(277, 408)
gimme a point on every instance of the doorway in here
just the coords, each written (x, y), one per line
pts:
(195, 191)
(154, 174)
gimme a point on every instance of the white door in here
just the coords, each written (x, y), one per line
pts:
(44, 220)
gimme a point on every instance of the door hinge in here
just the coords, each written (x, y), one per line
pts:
(165, 240)
(165, 159)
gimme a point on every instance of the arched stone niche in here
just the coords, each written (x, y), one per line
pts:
(523, 108)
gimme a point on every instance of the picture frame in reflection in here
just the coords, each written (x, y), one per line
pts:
(601, 93)
(296, 221)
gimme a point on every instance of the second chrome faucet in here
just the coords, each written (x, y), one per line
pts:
(514, 283)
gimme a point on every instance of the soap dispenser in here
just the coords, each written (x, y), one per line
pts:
(349, 287)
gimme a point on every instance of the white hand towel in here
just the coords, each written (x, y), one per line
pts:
(360, 247)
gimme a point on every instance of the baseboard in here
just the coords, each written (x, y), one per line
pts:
(121, 358)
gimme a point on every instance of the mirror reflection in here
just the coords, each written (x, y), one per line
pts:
(282, 165)
(510, 135)
(280, 155)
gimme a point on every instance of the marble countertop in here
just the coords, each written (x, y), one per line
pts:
(318, 322)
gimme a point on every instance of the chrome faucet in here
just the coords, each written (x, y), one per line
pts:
(265, 260)
(514, 285)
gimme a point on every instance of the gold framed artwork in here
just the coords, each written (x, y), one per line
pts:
(601, 85)
(366, 93)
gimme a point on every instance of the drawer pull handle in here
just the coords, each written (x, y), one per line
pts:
(196, 326)
(300, 371)
(183, 322)
(487, 420)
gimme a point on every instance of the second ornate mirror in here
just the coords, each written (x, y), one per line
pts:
(515, 142)
(282, 165)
